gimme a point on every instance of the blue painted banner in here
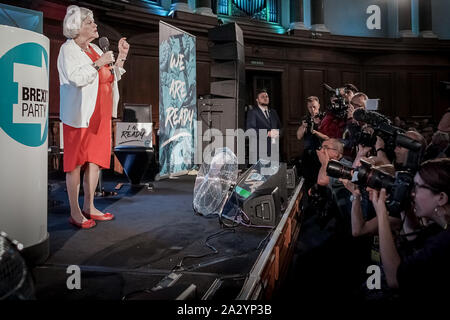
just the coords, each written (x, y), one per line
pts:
(177, 100)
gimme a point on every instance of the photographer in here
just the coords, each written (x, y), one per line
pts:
(310, 124)
(308, 132)
(438, 146)
(333, 125)
(333, 149)
(354, 133)
(424, 273)
(360, 213)
(401, 153)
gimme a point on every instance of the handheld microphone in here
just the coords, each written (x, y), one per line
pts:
(104, 45)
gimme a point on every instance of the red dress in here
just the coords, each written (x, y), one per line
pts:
(92, 144)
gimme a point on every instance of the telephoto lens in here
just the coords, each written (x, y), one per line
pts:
(335, 169)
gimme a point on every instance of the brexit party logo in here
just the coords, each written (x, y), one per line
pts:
(24, 98)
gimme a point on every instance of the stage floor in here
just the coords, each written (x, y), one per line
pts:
(152, 232)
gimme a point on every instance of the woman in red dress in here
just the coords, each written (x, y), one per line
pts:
(88, 97)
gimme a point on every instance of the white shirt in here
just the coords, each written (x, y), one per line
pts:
(78, 81)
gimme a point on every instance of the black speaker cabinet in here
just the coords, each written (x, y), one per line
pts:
(291, 177)
(228, 88)
(233, 70)
(261, 193)
(263, 210)
(229, 32)
(227, 51)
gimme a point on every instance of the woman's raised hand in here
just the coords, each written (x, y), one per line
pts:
(124, 46)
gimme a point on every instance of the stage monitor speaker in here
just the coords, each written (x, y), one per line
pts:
(291, 177)
(227, 51)
(261, 193)
(264, 210)
(137, 112)
(229, 32)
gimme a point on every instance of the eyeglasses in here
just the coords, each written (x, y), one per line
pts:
(328, 148)
(424, 186)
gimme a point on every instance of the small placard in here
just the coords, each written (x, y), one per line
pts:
(134, 134)
(372, 104)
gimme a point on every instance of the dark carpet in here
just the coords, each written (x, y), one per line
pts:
(151, 234)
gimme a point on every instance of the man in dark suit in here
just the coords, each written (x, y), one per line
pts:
(263, 117)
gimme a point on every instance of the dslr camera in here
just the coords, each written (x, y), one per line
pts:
(398, 187)
(365, 138)
(310, 121)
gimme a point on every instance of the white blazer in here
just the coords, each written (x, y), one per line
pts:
(78, 81)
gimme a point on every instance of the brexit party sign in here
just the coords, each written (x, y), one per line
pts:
(177, 100)
(24, 100)
(24, 103)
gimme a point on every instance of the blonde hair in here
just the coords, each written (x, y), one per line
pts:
(312, 99)
(338, 145)
(75, 16)
(360, 94)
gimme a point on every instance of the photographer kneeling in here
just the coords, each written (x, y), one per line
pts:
(423, 274)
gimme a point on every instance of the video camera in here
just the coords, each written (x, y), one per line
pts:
(392, 136)
(338, 106)
(398, 187)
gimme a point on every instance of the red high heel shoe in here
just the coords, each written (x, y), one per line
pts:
(104, 217)
(85, 225)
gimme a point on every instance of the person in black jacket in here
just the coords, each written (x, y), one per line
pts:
(265, 121)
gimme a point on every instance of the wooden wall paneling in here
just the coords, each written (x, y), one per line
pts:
(55, 44)
(353, 77)
(312, 84)
(401, 94)
(141, 83)
(296, 107)
(333, 78)
(421, 94)
(379, 85)
(442, 96)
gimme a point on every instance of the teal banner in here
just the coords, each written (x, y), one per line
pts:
(177, 100)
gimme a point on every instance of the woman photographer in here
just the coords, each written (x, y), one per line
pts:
(425, 271)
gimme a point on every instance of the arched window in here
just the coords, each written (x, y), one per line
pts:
(265, 10)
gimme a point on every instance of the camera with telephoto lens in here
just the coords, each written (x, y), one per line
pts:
(392, 137)
(398, 187)
(366, 139)
(338, 106)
